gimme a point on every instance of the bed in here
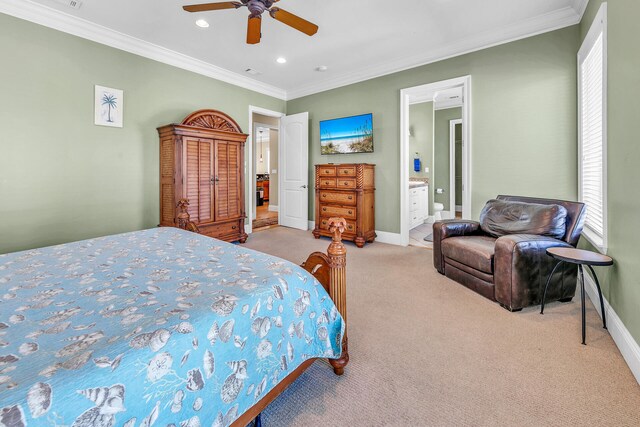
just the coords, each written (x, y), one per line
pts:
(162, 326)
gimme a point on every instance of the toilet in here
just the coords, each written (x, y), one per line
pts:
(437, 211)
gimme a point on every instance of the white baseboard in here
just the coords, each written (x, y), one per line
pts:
(390, 238)
(383, 236)
(620, 334)
(273, 208)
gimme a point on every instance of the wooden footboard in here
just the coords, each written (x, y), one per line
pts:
(330, 270)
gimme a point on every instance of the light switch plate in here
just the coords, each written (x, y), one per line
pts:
(426, 169)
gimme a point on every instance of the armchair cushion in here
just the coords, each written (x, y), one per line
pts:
(450, 228)
(473, 251)
(501, 218)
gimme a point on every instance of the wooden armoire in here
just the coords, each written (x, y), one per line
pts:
(202, 160)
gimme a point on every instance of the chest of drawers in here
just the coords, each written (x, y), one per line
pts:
(347, 191)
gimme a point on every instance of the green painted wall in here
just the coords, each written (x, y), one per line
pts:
(441, 150)
(421, 138)
(621, 283)
(61, 177)
(523, 130)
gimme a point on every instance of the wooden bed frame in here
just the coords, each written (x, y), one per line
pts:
(330, 270)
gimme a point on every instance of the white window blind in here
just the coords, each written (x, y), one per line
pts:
(592, 134)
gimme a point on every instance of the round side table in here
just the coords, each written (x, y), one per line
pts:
(579, 257)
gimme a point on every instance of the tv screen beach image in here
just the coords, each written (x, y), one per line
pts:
(347, 135)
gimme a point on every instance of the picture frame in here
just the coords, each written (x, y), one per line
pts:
(347, 135)
(109, 106)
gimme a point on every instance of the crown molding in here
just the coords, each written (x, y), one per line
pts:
(52, 18)
(580, 6)
(556, 20)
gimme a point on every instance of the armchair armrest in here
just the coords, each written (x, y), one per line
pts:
(450, 228)
(521, 269)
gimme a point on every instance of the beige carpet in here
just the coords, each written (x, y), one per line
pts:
(425, 351)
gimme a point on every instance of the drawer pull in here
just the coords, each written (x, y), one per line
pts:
(324, 209)
(324, 195)
(350, 197)
(346, 183)
(350, 212)
(233, 228)
(345, 172)
(350, 227)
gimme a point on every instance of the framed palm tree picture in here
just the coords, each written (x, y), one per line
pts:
(109, 105)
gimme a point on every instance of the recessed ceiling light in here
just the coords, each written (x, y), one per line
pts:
(281, 60)
(322, 68)
(202, 23)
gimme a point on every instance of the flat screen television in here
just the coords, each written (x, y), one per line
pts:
(347, 135)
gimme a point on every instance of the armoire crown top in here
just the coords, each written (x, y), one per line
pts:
(212, 119)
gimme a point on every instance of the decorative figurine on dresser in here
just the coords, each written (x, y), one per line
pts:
(348, 191)
(202, 160)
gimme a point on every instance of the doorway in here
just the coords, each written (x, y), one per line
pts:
(262, 169)
(266, 166)
(431, 115)
(287, 172)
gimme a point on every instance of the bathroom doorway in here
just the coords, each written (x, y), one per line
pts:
(435, 157)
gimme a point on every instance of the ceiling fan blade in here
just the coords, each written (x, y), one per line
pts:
(294, 21)
(212, 6)
(254, 29)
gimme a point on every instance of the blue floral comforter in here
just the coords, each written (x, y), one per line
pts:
(155, 327)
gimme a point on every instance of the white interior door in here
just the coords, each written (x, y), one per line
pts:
(294, 171)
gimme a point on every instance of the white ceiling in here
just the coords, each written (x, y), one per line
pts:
(358, 39)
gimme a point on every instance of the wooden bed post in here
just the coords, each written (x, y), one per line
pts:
(338, 284)
(183, 219)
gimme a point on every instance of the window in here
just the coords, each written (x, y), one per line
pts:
(592, 129)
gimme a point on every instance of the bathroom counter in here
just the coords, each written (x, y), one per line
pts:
(417, 184)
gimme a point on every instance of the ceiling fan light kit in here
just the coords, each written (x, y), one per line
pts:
(256, 9)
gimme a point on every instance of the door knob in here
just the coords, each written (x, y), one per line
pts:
(303, 186)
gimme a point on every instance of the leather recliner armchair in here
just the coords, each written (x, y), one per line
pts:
(510, 269)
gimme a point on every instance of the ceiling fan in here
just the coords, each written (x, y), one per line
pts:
(257, 8)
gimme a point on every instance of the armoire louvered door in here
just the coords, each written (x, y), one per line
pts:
(228, 180)
(202, 161)
(198, 178)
